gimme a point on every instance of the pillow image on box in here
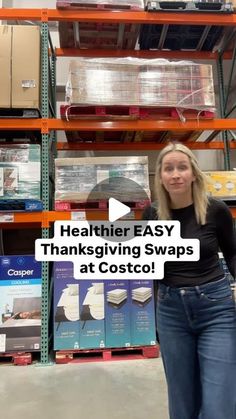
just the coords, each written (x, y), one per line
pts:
(93, 304)
(68, 305)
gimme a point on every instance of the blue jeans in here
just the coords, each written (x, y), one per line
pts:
(197, 331)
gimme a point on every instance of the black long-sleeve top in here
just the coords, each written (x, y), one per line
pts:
(218, 232)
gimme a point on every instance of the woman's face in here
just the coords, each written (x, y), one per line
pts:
(177, 174)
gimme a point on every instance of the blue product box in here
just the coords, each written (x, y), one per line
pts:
(66, 307)
(117, 313)
(20, 303)
(143, 326)
(92, 325)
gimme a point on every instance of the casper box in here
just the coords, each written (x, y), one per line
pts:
(92, 327)
(143, 329)
(25, 66)
(20, 303)
(117, 313)
(66, 307)
(5, 66)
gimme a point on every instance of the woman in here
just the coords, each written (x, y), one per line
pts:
(196, 314)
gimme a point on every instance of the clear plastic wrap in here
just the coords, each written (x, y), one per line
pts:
(20, 171)
(76, 177)
(140, 82)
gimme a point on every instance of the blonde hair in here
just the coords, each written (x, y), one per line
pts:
(199, 189)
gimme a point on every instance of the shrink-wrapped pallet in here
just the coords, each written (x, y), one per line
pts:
(140, 82)
(77, 177)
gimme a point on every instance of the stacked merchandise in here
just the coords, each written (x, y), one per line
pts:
(97, 35)
(20, 304)
(96, 314)
(99, 178)
(138, 88)
(20, 177)
(139, 82)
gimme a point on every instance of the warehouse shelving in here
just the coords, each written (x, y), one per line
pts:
(48, 125)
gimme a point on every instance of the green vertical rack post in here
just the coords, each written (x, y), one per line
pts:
(45, 191)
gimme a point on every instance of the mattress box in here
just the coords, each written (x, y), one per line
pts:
(66, 307)
(117, 310)
(92, 314)
(143, 327)
(20, 303)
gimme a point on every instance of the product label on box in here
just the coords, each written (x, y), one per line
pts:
(10, 182)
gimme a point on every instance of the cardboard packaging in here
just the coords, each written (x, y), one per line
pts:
(117, 314)
(92, 325)
(20, 303)
(5, 65)
(221, 184)
(20, 66)
(143, 325)
(66, 307)
(25, 66)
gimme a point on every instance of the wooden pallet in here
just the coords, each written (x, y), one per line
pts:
(110, 112)
(97, 205)
(108, 354)
(90, 5)
(19, 113)
(16, 358)
(21, 205)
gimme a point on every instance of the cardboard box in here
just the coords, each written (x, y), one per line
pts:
(143, 325)
(20, 303)
(92, 327)
(5, 65)
(25, 66)
(117, 314)
(222, 184)
(66, 307)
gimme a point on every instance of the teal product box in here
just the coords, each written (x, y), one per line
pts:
(20, 303)
(92, 314)
(117, 313)
(143, 325)
(66, 307)
(20, 171)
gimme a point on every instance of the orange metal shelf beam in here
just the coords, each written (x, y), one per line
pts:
(97, 53)
(142, 125)
(105, 146)
(45, 125)
(28, 219)
(119, 17)
(20, 124)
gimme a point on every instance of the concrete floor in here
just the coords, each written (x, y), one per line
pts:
(133, 389)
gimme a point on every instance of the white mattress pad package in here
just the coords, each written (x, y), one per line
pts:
(141, 294)
(95, 300)
(70, 303)
(116, 296)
